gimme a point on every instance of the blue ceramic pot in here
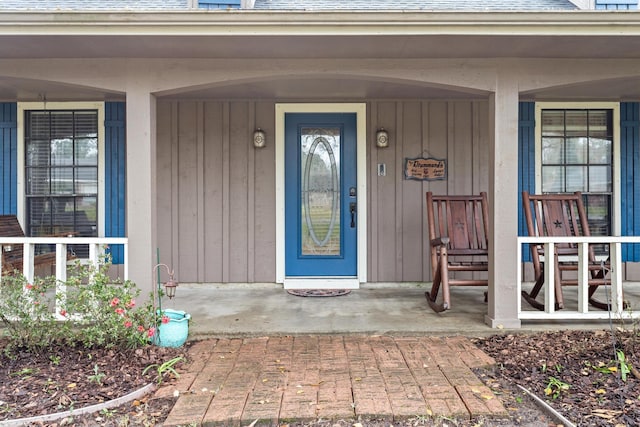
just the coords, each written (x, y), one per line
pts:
(175, 332)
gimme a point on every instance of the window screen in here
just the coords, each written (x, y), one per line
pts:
(61, 172)
(577, 155)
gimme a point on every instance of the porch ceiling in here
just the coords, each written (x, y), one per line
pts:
(291, 87)
(610, 89)
(34, 90)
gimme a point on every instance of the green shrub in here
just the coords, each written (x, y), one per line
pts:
(26, 311)
(95, 311)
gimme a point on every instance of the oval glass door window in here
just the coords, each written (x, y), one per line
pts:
(320, 207)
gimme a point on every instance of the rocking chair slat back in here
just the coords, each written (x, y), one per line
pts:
(461, 219)
(459, 241)
(556, 215)
(559, 215)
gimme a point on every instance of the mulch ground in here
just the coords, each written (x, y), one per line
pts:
(576, 372)
(62, 379)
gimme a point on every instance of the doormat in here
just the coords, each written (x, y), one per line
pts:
(318, 292)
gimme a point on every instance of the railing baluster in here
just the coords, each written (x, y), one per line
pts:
(615, 251)
(27, 262)
(549, 278)
(126, 262)
(583, 277)
(93, 254)
(96, 250)
(61, 278)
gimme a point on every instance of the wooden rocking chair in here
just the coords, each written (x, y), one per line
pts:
(458, 236)
(560, 215)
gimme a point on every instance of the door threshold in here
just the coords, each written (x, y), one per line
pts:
(321, 283)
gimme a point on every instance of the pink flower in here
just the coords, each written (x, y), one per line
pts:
(151, 332)
(128, 324)
(131, 304)
(165, 319)
(141, 328)
(29, 286)
(120, 311)
(63, 313)
(115, 302)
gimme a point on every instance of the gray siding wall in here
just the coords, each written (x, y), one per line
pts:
(216, 193)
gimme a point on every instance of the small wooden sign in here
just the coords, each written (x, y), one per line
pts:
(429, 169)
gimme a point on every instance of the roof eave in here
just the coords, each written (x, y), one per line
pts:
(344, 23)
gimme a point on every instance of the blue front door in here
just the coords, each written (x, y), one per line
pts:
(320, 195)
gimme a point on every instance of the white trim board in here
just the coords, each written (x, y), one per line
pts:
(615, 107)
(44, 105)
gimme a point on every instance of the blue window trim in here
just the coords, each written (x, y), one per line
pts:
(629, 173)
(115, 176)
(8, 158)
(526, 157)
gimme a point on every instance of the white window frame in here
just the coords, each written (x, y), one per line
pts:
(26, 106)
(615, 107)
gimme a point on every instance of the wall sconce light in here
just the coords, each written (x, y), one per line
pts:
(382, 138)
(259, 138)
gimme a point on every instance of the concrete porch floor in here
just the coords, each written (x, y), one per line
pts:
(261, 310)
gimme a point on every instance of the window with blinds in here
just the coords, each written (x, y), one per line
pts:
(577, 155)
(61, 172)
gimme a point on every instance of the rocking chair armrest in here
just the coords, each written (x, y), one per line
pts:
(440, 241)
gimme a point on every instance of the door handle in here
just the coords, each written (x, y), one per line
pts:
(352, 211)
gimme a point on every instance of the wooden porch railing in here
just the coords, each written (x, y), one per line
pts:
(97, 246)
(583, 312)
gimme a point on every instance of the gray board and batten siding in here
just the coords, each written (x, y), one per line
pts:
(216, 193)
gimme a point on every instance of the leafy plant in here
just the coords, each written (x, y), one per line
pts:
(107, 413)
(25, 372)
(555, 387)
(103, 311)
(25, 310)
(166, 368)
(97, 376)
(625, 368)
(95, 311)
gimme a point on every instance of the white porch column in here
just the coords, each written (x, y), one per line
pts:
(503, 204)
(141, 185)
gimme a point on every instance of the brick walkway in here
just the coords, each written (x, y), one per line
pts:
(279, 379)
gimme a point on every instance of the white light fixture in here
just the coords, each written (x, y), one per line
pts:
(382, 138)
(259, 138)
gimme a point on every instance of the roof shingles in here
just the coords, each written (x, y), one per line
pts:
(457, 5)
(78, 5)
(155, 5)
